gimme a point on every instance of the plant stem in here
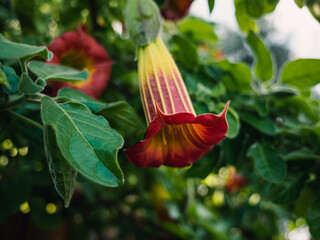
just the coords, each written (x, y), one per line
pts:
(23, 65)
(35, 101)
(27, 120)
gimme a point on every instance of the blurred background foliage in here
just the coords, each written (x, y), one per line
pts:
(261, 182)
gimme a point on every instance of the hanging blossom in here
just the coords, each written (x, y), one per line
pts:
(79, 50)
(176, 137)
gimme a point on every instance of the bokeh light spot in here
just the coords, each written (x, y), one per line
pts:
(51, 208)
(218, 198)
(23, 151)
(4, 160)
(7, 144)
(24, 207)
(254, 199)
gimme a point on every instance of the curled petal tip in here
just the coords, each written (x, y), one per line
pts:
(224, 111)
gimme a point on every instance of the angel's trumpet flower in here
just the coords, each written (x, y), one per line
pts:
(79, 50)
(176, 136)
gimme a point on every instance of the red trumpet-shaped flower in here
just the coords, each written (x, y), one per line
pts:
(79, 50)
(176, 137)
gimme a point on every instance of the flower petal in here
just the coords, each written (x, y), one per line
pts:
(79, 50)
(178, 140)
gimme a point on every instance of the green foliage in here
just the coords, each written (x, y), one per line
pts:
(262, 124)
(120, 114)
(4, 80)
(62, 173)
(313, 218)
(264, 67)
(27, 86)
(87, 141)
(267, 162)
(245, 22)
(12, 79)
(301, 73)
(197, 29)
(142, 21)
(236, 77)
(289, 190)
(56, 72)
(211, 5)
(12, 50)
(272, 141)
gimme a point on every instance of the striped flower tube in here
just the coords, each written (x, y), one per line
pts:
(176, 137)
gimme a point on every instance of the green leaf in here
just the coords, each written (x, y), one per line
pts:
(56, 72)
(85, 140)
(302, 73)
(187, 53)
(197, 29)
(254, 8)
(62, 173)
(70, 94)
(263, 66)
(27, 86)
(316, 130)
(313, 219)
(263, 124)
(289, 190)
(211, 5)
(301, 105)
(120, 115)
(233, 122)
(12, 50)
(4, 81)
(303, 154)
(236, 76)
(142, 20)
(300, 3)
(12, 78)
(257, 8)
(282, 91)
(306, 199)
(267, 162)
(245, 22)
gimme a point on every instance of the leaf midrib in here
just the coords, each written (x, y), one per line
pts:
(84, 138)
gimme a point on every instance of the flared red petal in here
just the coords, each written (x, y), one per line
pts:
(178, 140)
(79, 50)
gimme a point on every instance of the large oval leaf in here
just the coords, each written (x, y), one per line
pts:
(267, 162)
(120, 115)
(302, 73)
(263, 124)
(263, 65)
(289, 190)
(12, 50)
(85, 140)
